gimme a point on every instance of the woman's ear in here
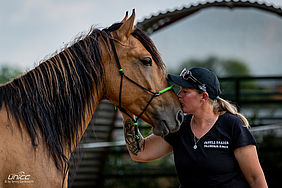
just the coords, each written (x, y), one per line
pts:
(205, 96)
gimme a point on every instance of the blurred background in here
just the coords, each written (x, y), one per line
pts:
(241, 41)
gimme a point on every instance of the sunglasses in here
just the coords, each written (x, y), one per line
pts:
(186, 75)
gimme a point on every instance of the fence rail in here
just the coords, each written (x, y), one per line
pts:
(253, 90)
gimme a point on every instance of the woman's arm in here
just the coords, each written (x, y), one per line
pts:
(249, 163)
(150, 148)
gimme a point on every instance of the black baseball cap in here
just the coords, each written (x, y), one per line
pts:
(202, 79)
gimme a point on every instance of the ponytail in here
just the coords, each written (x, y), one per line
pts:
(220, 105)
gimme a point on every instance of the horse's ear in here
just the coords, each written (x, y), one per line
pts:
(127, 27)
(125, 18)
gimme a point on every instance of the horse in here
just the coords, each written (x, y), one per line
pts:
(45, 111)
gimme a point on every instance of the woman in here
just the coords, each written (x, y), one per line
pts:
(213, 147)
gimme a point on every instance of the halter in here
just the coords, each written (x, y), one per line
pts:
(122, 75)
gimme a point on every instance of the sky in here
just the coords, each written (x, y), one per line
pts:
(251, 36)
(30, 30)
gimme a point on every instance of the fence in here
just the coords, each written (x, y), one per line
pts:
(258, 98)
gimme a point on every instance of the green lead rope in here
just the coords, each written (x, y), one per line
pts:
(159, 93)
(166, 89)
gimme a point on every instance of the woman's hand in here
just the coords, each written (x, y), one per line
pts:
(143, 149)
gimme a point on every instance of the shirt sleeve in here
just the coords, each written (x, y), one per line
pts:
(241, 135)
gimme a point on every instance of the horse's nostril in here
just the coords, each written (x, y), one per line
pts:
(179, 117)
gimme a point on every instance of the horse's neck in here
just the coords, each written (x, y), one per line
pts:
(96, 100)
(83, 126)
(106, 58)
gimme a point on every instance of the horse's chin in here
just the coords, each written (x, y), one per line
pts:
(159, 132)
(162, 129)
(166, 123)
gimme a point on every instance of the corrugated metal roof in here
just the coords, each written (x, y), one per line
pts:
(157, 22)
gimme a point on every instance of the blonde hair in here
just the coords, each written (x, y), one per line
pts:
(220, 105)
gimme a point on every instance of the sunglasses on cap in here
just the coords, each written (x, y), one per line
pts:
(186, 75)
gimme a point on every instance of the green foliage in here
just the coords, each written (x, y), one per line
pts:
(234, 67)
(7, 73)
(221, 67)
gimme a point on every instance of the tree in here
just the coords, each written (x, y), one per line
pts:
(221, 67)
(233, 67)
(7, 73)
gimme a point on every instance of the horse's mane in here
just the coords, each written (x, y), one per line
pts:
(53, 98)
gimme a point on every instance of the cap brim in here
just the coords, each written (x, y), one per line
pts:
(178, 80)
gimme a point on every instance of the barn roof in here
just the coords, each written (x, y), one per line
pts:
(164, 19)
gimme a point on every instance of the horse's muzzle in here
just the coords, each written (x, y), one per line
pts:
(164, 127)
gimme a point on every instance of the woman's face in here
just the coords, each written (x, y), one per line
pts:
(190, 99)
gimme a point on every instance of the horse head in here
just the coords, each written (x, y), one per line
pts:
(136, 80)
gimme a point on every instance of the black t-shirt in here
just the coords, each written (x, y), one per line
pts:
(213, 163)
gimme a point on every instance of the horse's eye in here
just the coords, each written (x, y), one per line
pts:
(147, 61)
